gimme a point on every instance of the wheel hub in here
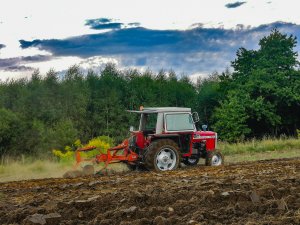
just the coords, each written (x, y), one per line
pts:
(166, 159)
(216, 160)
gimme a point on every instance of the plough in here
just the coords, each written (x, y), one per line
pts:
(119, 153)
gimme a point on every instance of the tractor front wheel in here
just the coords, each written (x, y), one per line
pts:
(214, 159)
(162, 155)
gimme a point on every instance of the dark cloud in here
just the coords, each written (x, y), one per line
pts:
(234, 5)
(98, 21)
(197, 25)
(2, 46)
(103, 23)
(137, 40)
(36, 58)
(26, 44)
(198, 50)
(134, 24)
(18, 68)
(141, 40)
(107, 26)
(19, 63)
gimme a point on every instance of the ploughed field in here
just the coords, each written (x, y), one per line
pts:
(264, 192)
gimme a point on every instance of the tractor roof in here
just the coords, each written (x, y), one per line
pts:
(161, 110)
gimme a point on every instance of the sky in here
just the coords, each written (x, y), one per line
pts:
(191, 37)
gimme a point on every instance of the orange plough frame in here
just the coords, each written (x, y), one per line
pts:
(119, 153)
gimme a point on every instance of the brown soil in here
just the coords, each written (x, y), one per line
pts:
(264, 192)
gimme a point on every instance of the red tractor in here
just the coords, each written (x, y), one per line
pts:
(166, 137)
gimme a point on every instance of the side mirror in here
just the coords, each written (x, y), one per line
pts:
(204, 127)
(195, 117)
(131, 128)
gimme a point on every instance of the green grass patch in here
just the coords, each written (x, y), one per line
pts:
(2, 169)
(248, 157)
(38, 167)
(28, 168)
(264, 145)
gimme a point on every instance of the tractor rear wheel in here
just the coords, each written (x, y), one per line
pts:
(191, 161)
(162, 155)
(214, 158)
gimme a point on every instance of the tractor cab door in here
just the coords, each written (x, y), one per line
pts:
(181, 123)
(148, 123)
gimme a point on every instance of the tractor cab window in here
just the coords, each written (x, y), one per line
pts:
(148, 122)
(179, 122)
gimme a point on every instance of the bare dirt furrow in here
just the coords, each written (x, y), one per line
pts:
(264, 192)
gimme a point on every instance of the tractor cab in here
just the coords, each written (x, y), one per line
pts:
(166, 120)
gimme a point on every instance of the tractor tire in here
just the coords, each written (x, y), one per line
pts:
(162, 155)
(214, 158)
(191, 161)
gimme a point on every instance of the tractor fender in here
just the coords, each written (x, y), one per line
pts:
(173, 137)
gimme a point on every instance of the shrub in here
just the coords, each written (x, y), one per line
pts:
(102, 143)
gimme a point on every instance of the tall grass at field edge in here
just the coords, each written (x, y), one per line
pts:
(32, 169)
(264, 145)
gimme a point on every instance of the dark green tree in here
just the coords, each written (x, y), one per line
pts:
(269, 78)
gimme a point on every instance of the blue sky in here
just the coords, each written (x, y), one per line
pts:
(191, 37)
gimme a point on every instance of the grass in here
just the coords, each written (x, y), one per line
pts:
(247, 157)
(18, 170)
(29, 168)
(259, 146)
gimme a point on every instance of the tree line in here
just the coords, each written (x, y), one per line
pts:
(260, 97)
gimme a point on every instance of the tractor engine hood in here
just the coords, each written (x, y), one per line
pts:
(205, 134)
(209, 137)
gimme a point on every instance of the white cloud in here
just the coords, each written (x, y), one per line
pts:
(58, 64)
